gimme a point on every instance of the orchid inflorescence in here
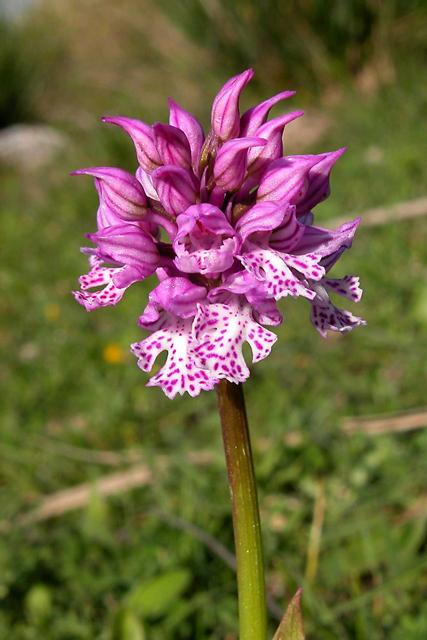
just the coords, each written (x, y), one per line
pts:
(239, 222)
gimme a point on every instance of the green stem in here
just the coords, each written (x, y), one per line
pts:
(246, 522)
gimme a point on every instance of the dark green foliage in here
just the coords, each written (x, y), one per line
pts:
(16, 101)
(305, 43)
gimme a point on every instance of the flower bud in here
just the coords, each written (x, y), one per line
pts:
(120, 191)
(271, 131)
(284, 179)
(176, 188)
(225, 117)
(172, 145)
(142, 137)
(255, 117)
(318, 188)
(190, 126)
(105, 216)
(230, 164)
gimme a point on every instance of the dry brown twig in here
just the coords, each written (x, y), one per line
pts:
(381, 215)
(376, 425)
(78, 496)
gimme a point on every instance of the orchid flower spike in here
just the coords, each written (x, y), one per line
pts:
(241, 238)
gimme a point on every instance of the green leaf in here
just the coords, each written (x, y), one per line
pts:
(127, 626)
(291, 627)
(153, 597)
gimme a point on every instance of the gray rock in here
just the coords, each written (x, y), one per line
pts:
(14, 8)
(30, 146)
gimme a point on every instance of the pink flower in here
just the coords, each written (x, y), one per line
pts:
(205, 243)
(241, 237)
(134, 255)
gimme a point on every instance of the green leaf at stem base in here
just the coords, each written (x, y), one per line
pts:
(291, 627)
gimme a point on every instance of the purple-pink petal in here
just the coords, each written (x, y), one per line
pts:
(180, 374)
(325, 242)
(262, 217)
(128, 245)
(142, 137)
(192, 128)
(318, 188)
(177, 189)
(121, 192)
(172, 145)
(105, 216)
(225, 117)
(177, 295)
(281, 274)
(288, 234)
(99, 275)
(256, 116)
(325, 316)
(221, 330)
(347, 287)
(231, 162)
(146, 181)
(284, 180)
(272, 131)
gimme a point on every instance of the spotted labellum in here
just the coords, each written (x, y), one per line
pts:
(226, 225)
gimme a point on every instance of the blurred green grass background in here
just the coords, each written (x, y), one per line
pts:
(126, 567)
